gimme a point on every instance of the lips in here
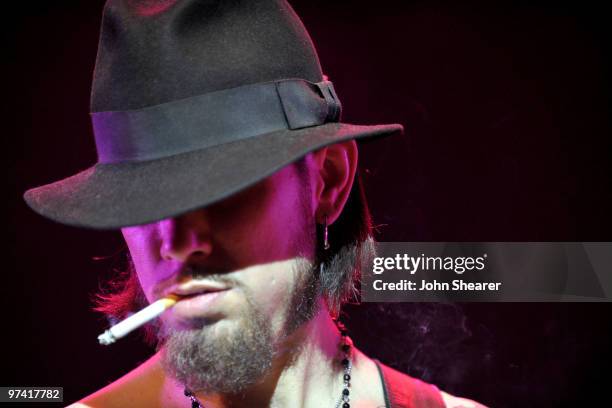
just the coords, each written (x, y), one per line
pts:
(198, 299)
(194, 288)
(204, 304)
(194, 294)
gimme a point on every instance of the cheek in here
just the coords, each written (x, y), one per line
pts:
(282, 221)
(271, 287)
(141, 244)
(265, 229)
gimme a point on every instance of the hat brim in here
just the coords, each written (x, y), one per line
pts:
(110, 196)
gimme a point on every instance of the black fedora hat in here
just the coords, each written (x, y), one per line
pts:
(193, 101)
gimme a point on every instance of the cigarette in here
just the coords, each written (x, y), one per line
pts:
(136, 320)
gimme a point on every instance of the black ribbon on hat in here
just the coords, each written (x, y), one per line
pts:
(212, 119)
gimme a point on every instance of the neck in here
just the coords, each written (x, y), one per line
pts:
(305, 371)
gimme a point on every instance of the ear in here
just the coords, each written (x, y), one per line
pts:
(335, 168)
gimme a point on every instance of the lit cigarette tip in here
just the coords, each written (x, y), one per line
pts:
(136, 320)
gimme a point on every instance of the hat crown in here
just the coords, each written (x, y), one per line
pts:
(155, 51)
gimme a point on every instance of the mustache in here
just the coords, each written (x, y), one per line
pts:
(196, 272)
(203, 272)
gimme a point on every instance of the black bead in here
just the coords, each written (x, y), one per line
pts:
(195, 404)
(345, 391)
(187, 392)
(346, 348)
(346, 405)
(343, 332)
(345, 362)
(347, 377)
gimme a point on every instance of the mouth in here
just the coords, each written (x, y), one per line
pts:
(195, 288)
(199, 303)
(195, 294)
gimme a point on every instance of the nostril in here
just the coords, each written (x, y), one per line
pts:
(196, 250)
(199, 255)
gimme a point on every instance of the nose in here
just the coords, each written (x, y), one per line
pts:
(186, 237)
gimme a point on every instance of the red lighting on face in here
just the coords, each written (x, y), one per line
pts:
(151, 7)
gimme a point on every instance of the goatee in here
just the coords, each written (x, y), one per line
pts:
(229, 357)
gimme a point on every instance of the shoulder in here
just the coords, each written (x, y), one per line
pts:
(451, 401)
(405, 391)
(144, 386)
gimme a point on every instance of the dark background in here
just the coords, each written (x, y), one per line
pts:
(506, 110)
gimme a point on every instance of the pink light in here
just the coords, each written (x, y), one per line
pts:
(151, 7)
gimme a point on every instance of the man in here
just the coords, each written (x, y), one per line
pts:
(223, 162)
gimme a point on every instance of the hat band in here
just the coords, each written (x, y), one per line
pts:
(212, 119)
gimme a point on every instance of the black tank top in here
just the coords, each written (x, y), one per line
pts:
(403, 391)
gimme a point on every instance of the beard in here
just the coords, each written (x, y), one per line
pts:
(214, 358)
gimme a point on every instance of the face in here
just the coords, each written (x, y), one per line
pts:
(257, 246)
